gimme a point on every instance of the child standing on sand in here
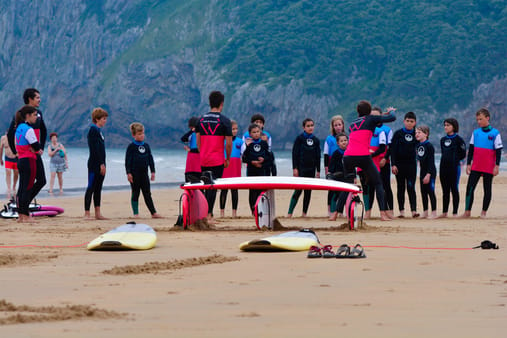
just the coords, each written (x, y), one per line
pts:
(484, 155)
(11, 167)
(428, 172)
(96, 163)
(138, 159)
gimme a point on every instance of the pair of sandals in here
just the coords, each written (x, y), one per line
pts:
(344, 251)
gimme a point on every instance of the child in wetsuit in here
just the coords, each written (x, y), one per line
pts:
(427, 170)
(138, 159)
(27, 148)
(336, 172)
(330, 146)
(96, 163)
(453, 150)
(305, 163)
(484, 155)
(404, 164)
(233, 170)
(193, 164)
(257, 158)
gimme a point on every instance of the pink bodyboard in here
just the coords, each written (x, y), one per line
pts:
(194, 207)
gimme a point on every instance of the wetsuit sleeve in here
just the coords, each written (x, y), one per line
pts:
(379, 151)
(470, 154)
(129, 160)
(326, 160)
(296, 151)
(498, 156)
(186, 138)
(43, 131)
(11, 136)
(431, 165)
(317, 155)
(462, 149)
(274, 171)
(151, 162)
(393, 148)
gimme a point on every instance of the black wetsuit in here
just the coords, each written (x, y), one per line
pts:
(426, 158)
(336, 172)
(138, 159)
(96, 158)
(453, 149)
(403, 156)
(257, 148)
(306, 159)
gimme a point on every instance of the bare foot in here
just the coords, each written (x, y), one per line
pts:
(466, 214)
(155, 215)
(87, 215)
(415, 214)
(402, 214)
(483, 214)
(234, 214)
(303, 215)
(222, 213)
(384, 216)
(135, 216)
(332, 216)
(443, 215)
(289, 215)
(101, 218)
(367, 214)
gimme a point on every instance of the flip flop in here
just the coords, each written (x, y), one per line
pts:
(314, 252)
(357, 252)
(343, 251)
(328, 252)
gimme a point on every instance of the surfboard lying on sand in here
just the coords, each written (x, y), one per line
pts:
(130, 236)
(288, 241)
(10, 210)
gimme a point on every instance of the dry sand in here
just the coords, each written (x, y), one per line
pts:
(199, 284)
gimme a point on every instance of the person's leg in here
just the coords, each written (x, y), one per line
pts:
(52, 181)
(411, 179)
(433, 198)
(234, 200)
(223, 200)
(146, 189)
(15, 175)
(424, 197)
(385, 175)
(135, 188)
(60, 180)
(211, 194)
(374, 180)
(446, 184)
(400, 191)
(40, 178)
(306, 201)
(473, 179)
(455, 192)
(26, 185)
(293, 202)
(89, 194)
(487, 183)
(97, 194)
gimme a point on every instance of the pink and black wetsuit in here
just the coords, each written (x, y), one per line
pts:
(358, 155)
(213, 128)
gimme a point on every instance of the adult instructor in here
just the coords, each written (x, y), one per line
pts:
(31, 97)
(212, 130)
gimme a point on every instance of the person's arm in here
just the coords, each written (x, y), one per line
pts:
(43, 132)
(296, 149)
(128, 164)
(2, 145)
(380, 150)
(198, 141)
(317, 157)
(462, 149)
(51, 153)
(32, 140)
(11, 136)
(151, 161)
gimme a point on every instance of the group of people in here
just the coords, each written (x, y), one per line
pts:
(369, 150)
(24, 144)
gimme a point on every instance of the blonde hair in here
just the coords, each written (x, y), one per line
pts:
(98, 113)
(333, 119)
(136, 127)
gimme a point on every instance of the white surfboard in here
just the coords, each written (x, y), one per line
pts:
(288, 241)
(264, 211)
(130, 236)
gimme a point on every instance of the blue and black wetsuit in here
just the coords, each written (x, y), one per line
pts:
(453, 149)
(138, 159)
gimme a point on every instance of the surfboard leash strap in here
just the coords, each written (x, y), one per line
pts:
(42, 246)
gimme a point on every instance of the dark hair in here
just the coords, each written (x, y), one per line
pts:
(363, 108)
(193, 122)
(29, 94)
(257, 117)
(53, 134)
(253, 126)
(22, 113)
(483, 111)
(307, 120)
(341, 135)
(425, 129)
(216, 98)
(410, 115)
(377, 108)
(454, 123)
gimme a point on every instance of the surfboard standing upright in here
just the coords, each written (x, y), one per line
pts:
(267, 184)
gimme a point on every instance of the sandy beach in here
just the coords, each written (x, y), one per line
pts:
(199, 284)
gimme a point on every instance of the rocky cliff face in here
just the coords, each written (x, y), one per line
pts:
(82, 54)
